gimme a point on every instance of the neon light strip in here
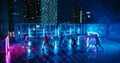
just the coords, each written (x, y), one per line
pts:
(56, 42)
(78, 40)
(87, 42)
(29, 33)
(81, 16)
(78, 36)
(43, 37)
(43, 32)
(70, 39)
(78, 30)
(55, 32)
(58, 32)
(70, 31)
(6, 48)
(92, 33)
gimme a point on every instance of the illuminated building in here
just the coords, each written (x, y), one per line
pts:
(32, 11)
(76, 14)
(48, 11)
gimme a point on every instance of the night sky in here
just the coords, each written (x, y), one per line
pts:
(102, 10)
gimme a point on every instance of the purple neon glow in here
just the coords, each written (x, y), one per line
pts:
(7, 51)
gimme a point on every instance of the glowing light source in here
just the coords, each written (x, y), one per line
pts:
(28, 49)
(29, 43)
(37, 26)
(89, 33)
(28, 52)
(56, 42)
(55, 48)
(91, 46)
(55, 32)
(78, 30)
(18, 32)
(6, 49)
(7, 43)
(11, 34)
(88, 12)
(70, 41)
(43, 48)
(78, 40)
(81, 13)
(43, 32)
(70, 31)
(34, 29)
(58, 32)
(89, 16)
(87, 42)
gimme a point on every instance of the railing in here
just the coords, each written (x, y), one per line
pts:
(36, 30)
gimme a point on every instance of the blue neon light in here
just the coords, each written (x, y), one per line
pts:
(29, 43)
(70, 31)
(29, 32)
(89, 33)
(42, 47)
(55, 32)
(58, 32)
(43, 32)
(70, 41)
(45, 50)
(78, 41)
(78, 30)
(37, 26)
(55, 48)
(28, 53)
(98, 28)
(87, 42)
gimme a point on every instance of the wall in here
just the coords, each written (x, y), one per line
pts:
(114, 32)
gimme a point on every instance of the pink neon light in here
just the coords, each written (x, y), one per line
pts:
(6, 48)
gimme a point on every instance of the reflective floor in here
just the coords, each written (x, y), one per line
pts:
(35, 54)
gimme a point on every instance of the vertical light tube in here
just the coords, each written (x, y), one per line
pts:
(81, 16)
(56, 42)
(29, 32)
(28, 53)
(78, 38)
(21, 31)
(70, 39)
(43, 38)
(87, 45)
(6, 49)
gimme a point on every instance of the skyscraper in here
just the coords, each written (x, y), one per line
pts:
(68, 11)
(76, 14)
(32, 11)
(10, 15)
(49, 11)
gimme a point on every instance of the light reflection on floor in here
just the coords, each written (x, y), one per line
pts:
(110, 54)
